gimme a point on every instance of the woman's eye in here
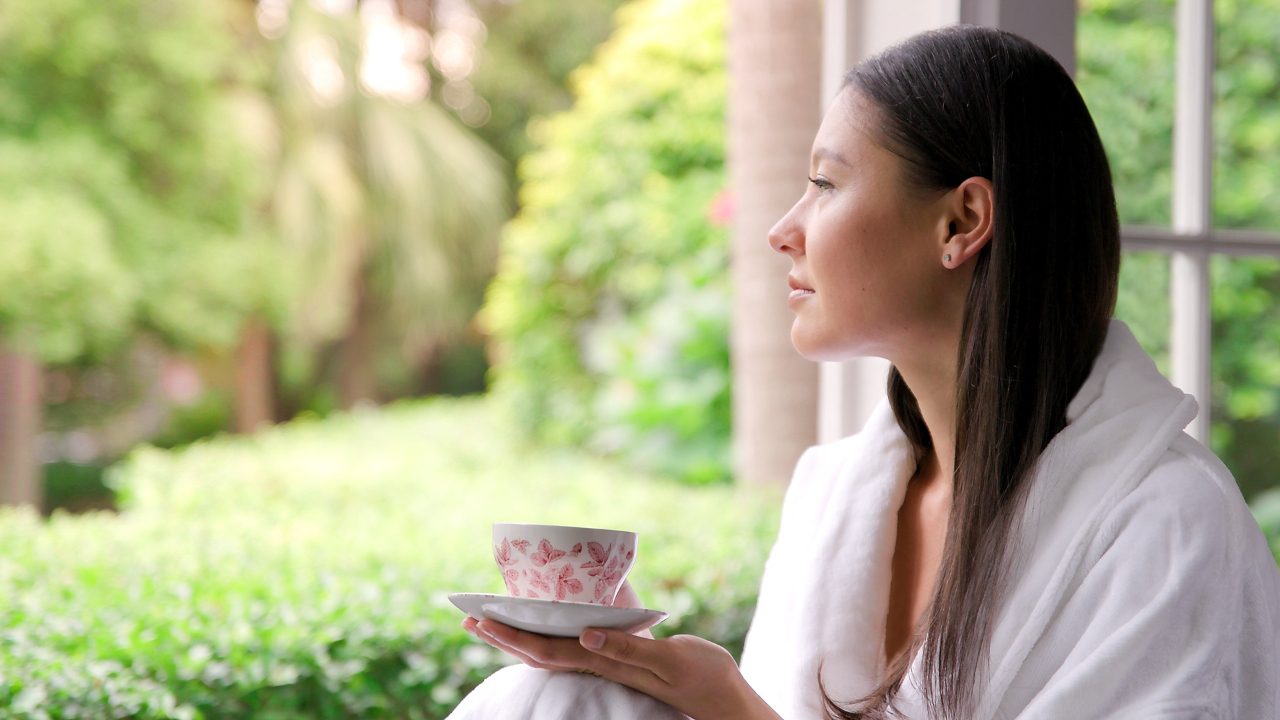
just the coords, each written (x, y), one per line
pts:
(821, 184)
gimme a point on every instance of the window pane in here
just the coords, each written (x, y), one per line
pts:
(1246, 369)
(1126, 75)
(1143, 302)
(1246, 115)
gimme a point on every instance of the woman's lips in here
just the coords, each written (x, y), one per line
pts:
(798, 289)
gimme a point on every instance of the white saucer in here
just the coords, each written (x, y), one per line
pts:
(551, 617)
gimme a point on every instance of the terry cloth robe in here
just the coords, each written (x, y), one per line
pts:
(1142, 586)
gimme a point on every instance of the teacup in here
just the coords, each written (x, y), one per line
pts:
(563, 563)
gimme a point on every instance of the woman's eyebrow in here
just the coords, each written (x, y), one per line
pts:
(825, 152)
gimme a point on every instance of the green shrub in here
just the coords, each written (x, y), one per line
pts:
(128, 202)
(1266, 509)
(75, 487)
(304, 572)
(612, 301)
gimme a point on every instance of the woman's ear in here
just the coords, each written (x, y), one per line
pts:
(970, 214)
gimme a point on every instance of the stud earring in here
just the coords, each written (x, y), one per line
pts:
(946, 258)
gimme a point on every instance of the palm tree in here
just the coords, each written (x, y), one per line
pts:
(774, 104)
(388, 207)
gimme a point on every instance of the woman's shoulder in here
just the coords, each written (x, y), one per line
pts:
(1189, 502)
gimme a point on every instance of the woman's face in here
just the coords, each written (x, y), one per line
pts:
(867, 250)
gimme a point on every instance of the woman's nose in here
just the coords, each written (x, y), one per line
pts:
(785, 236)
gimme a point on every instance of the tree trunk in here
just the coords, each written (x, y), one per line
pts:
(19, 430)
(254, 392)
(774, 111)
(357, 368)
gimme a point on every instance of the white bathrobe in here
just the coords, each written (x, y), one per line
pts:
(1143, 587)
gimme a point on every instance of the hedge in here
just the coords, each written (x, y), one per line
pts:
(304, 572)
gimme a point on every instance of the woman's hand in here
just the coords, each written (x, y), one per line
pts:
(696, 677)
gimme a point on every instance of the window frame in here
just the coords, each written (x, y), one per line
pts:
(1191, 241)
(850, 390)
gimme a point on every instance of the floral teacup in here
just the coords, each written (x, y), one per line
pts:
(558, 562)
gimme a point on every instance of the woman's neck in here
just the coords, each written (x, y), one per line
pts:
(934, 387)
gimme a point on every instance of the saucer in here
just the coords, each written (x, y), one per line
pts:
(552, 617)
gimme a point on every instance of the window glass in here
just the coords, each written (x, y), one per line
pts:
(1143, 302)
(1246, 117)
(1125, 72)
(1246, 369)
(1246, 291)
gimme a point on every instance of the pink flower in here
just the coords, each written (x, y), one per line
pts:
(502, 553)
(566, 583)
(610, 576)
(540, 581)
(720, 211)
(576, 550)
(511, 577)
(546, 554)
(522, 546)
(599, 553)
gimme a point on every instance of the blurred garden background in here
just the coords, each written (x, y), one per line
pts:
(297, 297)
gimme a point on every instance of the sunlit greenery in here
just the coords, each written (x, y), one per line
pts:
(127, 201)
(1126, 75)
(611, 303)
(387, 208)
(304, 572)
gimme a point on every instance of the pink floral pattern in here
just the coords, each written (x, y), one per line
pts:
(566, 583)
(538, 581)
(608, 577)
(511, 577)
(599, 553)
(604, 566)
(546, 554)
(502, 553)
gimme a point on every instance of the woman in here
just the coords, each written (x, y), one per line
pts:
(1022, 529)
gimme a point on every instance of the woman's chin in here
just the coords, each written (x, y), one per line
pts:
(817, 346)
(818, 349)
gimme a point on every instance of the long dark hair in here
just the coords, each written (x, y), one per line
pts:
(957, 103)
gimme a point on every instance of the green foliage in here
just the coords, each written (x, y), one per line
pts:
(130, 193)
(1246, 292)
(75, 487)
(1126, 68)
(530, 49)
(610, 293)
(388, 208)
(1126, 75)
(1266, 510)
(304, 572)
(63, 292)
(611, 301)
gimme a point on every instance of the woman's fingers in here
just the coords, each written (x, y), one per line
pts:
(566, 654)
(498, 645)
(539, 650)
(628, 649)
